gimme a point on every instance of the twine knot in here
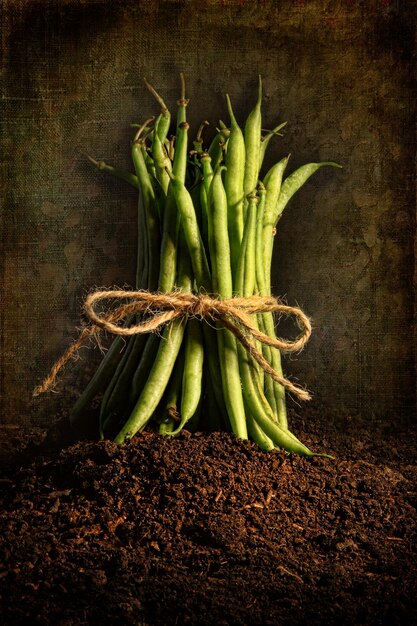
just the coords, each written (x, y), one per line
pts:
(199, 308)
(158, 309)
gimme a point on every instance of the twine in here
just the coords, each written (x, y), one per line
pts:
(234, 314)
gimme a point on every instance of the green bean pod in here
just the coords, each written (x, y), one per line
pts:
(265, 142)
(245, 287)
(162, 162)
(157, 380)
(164, 120)
(150, 166)
(295, 181)
(223, 286)
(198, 141)
(233, 182)
(257, 434)
(261, 411)
(166, 357)
(275, 392)
(169, 243)
(98, 382)
(192, 233)
(252, 144)
(189, 225)
(273, 188)
(192, 373)
(216, 147)
(207, 171)
(151, 213)
(268, 381)
(172, 396)
(204, 219)
(115, 398)
(246, 267)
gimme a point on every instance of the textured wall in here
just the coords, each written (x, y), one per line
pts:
(338, 72)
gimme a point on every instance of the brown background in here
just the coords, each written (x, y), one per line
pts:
(340, 73)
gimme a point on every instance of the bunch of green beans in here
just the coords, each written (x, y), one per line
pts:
(206, 223)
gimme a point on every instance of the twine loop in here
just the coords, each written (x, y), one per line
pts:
(158, 309)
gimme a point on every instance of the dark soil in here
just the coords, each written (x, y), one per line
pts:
(205, 529)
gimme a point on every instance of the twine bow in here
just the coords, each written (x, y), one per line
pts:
(161, 308)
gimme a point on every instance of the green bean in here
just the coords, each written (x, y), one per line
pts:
(157, 381)
(204, 219)
(114, 171)
(164, 120)
(233, 182)
(195, 192)
(262, 413)
(268, 381)
(201, 229)
(162, 162)
(259, 248)
(265, 141)
(204, 193)
(143, 368)
(192, 233)
(245, 287)
(207, 171)
(276, 204)
(191, 366)
(223, 286)
(180, 161)
(216, 147)
(149, 236)
(166, 426)
(198, 142)
(273, 187)
(219, 241)
(250, 256)
(150, 166)
(273, 356)
(257, 434)
(117, 393)
(168, 254)
(151, 213)
(252, 144)
(296, 180)
(192, 373)
(172, 397)
(245, 274)
(98, 382)
(163, 365)
(201, 271)
(262, 290)
(142, 264)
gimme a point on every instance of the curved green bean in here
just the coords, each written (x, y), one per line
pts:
(295, 181)
(265, 141)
